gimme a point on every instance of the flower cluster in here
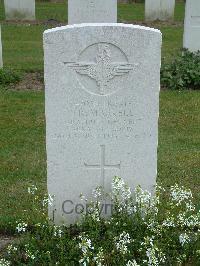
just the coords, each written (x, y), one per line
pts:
(132, 263)
(21, 227)
(28, 253)
(154, 255)
(169, 222)
(143, 199)
(32, 189)
(86, 248)
(48, 200)
(121, 194)
(122, 241)
(88, 252)
(99, 259)
(97, 192)
(142, 229)
(11, 249)
(180, 194)
(191, 221)
(184, 239)
(4, 262)
(57, 231)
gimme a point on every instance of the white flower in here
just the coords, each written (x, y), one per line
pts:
(143, 198)
(152, 259)
(190, 206)
(121, 194)
(99, 259)
(48, 200)
(86, 247)
(180, 194)
(85, 244)
(32, 257)
(154, 255)
(83, 198)
(21, 227)
(169, 222)
(60, 233)
(4, 262)
(32, 189)
(57, 231)
(122, 241)
(191, 221)
(29, 253)
(11, 249)
(184, 239)
(97, 193)
(132, 263)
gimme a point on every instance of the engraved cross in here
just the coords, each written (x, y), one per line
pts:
(103, 166)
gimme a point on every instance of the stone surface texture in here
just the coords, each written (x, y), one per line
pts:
(20, 9)
(1, 55)
(191, 39)
(102, 86)
(92, 11)
(159, 10)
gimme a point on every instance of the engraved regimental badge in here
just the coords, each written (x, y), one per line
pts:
(99, 66)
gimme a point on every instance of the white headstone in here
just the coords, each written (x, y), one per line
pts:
(191, 39)
(92, 11)
(159, 10)
(20, 9)
(1, 56)
(102, 103)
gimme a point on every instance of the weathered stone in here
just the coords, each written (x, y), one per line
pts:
(19, 9)
(191, 39)
(102, 104)
(159, 10)
(92, 11)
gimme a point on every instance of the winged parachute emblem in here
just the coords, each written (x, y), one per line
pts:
(103, 70)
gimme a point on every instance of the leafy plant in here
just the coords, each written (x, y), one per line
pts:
(140, 231)
(8, 76)
(183, 72)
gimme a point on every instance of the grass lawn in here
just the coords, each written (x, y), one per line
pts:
(22, 46)
(22, 123)
(22, 150)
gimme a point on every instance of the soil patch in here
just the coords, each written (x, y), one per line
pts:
(30, 81)
(49, 22)
(155, 24)
(5, 241)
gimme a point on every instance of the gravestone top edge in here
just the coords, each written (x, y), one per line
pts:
(84, 25)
